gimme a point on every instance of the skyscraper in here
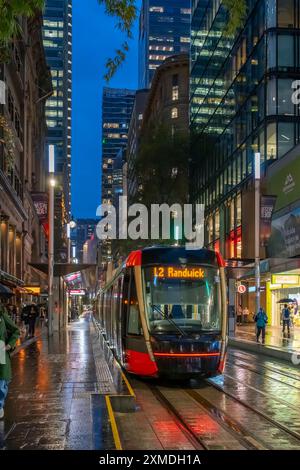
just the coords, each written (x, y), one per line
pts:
(57, 36)
(242, 103)
(117, 105)
(164, 30)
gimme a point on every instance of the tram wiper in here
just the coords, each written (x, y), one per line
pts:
(183, 333)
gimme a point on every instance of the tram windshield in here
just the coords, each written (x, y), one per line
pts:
(186, 300)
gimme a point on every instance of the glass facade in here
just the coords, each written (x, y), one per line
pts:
(240, 103)
(57, 39)
(117, 105)
(164, 31)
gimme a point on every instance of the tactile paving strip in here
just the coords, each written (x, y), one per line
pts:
(104, 377)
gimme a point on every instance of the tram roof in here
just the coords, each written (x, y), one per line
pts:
(173, 255)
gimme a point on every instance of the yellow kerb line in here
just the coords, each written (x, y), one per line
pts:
(130, 389)
(113, 424)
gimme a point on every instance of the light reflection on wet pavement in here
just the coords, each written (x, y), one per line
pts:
(53, 401)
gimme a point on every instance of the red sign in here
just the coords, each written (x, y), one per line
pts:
(242, 289)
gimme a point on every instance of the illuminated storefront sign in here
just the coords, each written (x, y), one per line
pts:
(178, 273)
(32, 290)
(77, 292)
(285, 279)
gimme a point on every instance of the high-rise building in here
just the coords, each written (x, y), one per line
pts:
(117, 105)
(84, 231)
(57, 38)
(164, 30)
(242, 103)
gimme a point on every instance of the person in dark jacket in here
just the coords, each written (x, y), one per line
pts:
(261, 321)
(9, 334)
(33, 314)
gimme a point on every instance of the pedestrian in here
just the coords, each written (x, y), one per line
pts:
(239, 315)
(246, 314)
(9, 333)
(286, 319)
(25, 319)
(32, 316)
(261, 321)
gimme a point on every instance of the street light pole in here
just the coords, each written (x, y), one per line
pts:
(51, 238)
(257, 177)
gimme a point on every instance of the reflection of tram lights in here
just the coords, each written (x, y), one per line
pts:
(178, 273)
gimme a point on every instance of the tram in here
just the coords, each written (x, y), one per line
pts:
(164, 313)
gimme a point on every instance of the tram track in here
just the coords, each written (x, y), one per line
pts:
(239, 433)
(245, 358)
(183, 426)
(255, 410)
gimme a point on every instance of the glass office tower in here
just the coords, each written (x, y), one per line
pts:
(117, 105)
(240, 103)
(164, 31)
(57, 38)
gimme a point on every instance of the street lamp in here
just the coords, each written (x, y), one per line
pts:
(257, 177)
(51, 154)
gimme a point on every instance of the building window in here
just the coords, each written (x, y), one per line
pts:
(271, 142)
(184, 39)
(285, 51)
(286, 13)
(185, 11)
(174, 113)
(175, 93)
(175, 80)
(286, 137)
(156, 9)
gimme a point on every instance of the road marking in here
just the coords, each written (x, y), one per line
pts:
(113, 424)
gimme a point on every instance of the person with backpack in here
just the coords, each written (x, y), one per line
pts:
(286, 319)
(261, 321)
(9, 334)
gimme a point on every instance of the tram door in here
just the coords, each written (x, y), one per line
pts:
(133, 336)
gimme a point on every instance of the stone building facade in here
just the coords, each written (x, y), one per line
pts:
(26, 82)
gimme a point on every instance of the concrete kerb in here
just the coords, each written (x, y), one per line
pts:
(124, 400)
(261, 349)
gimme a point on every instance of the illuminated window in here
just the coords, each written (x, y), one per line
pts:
(111, 125)
(185, 11)
(174, 113)
(175, 93)
(184, 39)
(156, 9)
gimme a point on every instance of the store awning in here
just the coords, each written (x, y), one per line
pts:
(62, 269)
(5, 291)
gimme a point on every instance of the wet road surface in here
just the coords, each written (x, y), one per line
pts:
(54, 399)
(254, 406)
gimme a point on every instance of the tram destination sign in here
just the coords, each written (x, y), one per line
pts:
(172, 272)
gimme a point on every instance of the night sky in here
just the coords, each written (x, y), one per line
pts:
(94, 40)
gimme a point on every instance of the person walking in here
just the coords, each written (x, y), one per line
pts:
(25, 319)
(286, 319)
(239, 315)
(32, 316)
(261, 321)
(245, 314)
(9, 334)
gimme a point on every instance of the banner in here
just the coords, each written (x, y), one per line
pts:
(267, 206)
(285, 239)
(40, 201)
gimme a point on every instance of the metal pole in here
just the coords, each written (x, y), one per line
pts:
(51, 259)
(51, 240)
(257, 230)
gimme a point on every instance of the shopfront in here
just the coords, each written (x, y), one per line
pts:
(283, 289)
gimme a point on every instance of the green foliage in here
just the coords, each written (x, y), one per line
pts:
(161, 166)
(125, 11)
(10, 11)
(237, 12)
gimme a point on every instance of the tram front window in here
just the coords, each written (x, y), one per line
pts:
(182, 304)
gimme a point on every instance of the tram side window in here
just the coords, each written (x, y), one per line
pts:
(134, 323)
